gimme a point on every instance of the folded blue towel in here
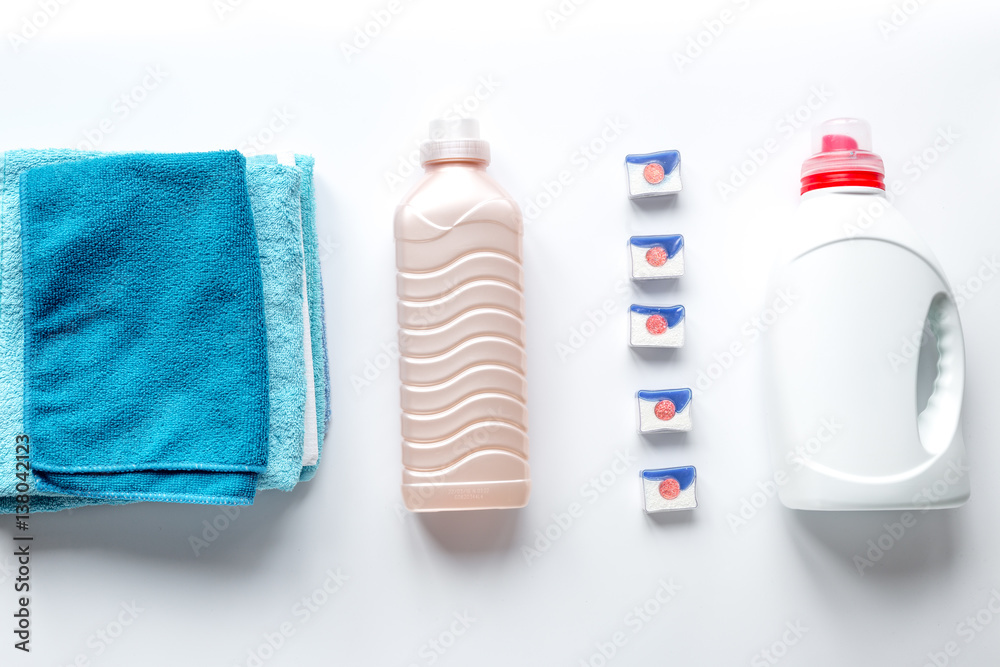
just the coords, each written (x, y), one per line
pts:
(276, 202)
(12, 330)
(283, 452)
(144, 332)
(317, 315)
(317, 312)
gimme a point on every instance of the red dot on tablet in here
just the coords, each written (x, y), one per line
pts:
(656, 256)
(656, 324)
(665, 410)
(653, 173)
(670, 489)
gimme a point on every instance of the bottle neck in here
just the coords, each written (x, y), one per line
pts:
(845, 178)
(843, 190)
(442, 165)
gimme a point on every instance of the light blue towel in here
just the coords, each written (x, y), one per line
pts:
(276, 201)
(145, 342)
(314, 289)
(317, 313)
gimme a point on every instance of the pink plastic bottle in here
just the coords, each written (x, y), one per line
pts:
(461, 337)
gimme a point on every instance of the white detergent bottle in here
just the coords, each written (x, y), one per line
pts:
(859, 291)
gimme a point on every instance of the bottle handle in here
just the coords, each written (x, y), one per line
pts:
(938, 422)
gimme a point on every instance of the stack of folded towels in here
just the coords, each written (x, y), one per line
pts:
(161, 327)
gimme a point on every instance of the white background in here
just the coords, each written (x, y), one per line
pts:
(554, 89)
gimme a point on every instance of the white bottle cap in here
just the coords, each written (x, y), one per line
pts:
(842, 157)
(842, 134)
(456, 139)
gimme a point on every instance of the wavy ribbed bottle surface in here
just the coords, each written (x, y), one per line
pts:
(461, 336)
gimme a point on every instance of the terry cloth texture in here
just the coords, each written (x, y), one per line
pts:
(310, 443)
(276, 202)
(314, 289)
(14, 163)
(144, 334)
